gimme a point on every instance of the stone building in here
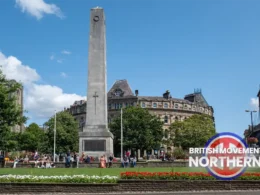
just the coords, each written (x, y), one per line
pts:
(168, 108)
(19, 102)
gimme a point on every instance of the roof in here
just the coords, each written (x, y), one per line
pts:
(123, 85)
(197, 97)
(159, 98)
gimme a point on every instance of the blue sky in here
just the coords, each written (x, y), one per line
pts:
(156, 45)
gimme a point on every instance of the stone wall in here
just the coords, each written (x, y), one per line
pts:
(129, 185)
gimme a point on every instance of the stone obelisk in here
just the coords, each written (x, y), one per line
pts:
(96, 139)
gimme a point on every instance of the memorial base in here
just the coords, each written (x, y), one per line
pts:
(96, 144)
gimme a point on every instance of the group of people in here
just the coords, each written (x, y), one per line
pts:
(39, 162)
(127, 160)
(72, 158)
(104, 162)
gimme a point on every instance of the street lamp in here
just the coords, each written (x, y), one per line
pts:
(251, 114)
(122, 153)
(54, 140)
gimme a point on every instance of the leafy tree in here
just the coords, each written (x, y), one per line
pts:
(141, 130)
(32, 139)
(192, 132)
(10, 112)
(66, 133)
(12, 141)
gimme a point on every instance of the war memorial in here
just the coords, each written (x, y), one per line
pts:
(173, 177)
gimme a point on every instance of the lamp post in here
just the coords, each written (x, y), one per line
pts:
(251, 114)
(121, 134)
(54, 140)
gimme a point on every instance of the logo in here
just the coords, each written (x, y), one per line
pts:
(227, 165)
(226, 156)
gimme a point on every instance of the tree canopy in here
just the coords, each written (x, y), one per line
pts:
(11, 114)
(192, 132)
(32, 139)
(141, 130)
(66, 133)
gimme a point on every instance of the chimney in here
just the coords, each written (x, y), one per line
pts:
(136, 92)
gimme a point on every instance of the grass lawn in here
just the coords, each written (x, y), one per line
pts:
(98, 171)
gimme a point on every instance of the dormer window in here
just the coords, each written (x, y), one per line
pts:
(118, 92)
(176, 106)
(154, 105)
(143, 104)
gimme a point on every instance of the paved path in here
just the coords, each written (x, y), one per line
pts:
(163, 193)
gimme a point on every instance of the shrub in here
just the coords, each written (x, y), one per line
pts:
(179, 153)
(181, 176)
(57, 179)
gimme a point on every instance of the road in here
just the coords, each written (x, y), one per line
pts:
(163, 193)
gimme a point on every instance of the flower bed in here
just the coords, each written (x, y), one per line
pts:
(181, 176)
(57, 179)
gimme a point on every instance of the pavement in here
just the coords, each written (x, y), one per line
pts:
(248, 192)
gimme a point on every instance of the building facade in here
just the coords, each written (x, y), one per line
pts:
(167, 108)
(19, 102)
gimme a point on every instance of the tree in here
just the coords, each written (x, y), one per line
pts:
(141, 130)
(10, 112)
(32, 139)
(192, 132)
(66, 133)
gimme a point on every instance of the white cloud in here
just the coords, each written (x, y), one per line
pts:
(52, 57)
(42, 100)
(60, 61)
(39, 100)
(38, 8)
(63, 74)
(254, 103)
(14, 69)
(66, 52)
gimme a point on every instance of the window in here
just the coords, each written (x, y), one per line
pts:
(185, 106)
(118, 92)
(166, 133)
(126, 104)
(154, 105)
(193, 107)
(116, 106)
(109, 106)
(120, 106)
(81, 109)
(166, 119)
(176, 118)
(143, 104)
(176, 106)
(165, 105)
